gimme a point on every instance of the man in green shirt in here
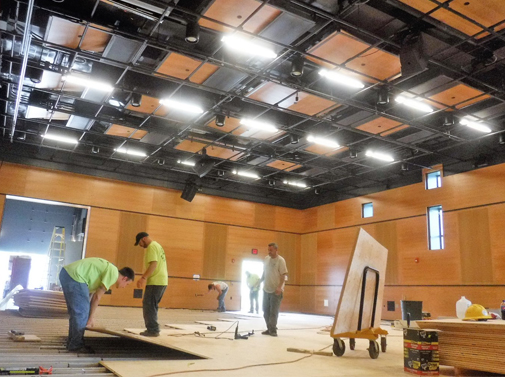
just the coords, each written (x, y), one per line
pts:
(155, 279)
(79, 280)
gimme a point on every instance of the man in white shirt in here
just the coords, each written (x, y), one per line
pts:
(274, 275)
(222, 288)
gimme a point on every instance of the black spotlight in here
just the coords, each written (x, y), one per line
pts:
(294, 139)
(204, 165)
(449, 120)
(297, 66)
(271, 183)
(189, 192)
(220, 120)
(353, 154)
(405, 166)
(383, 96)
(192, 32)
(136, 100)
(501, 139)
(35, 74)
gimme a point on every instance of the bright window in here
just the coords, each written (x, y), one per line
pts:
(433, 180)
(435, 228)
(367, 210)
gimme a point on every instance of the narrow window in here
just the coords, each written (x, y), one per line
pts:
(435, 228)
(367, 210)
(433, 180)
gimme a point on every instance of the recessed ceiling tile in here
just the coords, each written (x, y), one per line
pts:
(179, 66)
(68, 34)
(283, 165)
(271, 93)
(337, 48)
(213, 151)
(378, 125)
(203, 73)
(327, 151)
(148, 105)
(459, 94)
(231, 125)
(307, 103)
(377, 63)
(394, 130)
(118, 130)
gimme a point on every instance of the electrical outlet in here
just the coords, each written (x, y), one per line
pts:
(325, 302)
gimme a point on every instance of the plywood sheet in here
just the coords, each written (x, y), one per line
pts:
(367, 253)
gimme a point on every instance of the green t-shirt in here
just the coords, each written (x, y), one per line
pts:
(94, 272)
(155, 252)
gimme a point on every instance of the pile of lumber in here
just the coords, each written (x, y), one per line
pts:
(470, 344)
(41, 304)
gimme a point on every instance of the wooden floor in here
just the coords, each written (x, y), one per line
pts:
(259, 355)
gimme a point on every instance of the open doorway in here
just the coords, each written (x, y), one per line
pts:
(253, 267)
(37, 238)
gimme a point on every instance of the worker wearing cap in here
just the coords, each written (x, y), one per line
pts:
(80, 279)
(155, 280)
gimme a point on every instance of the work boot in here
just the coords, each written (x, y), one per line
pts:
(150, 334)
(266, 332)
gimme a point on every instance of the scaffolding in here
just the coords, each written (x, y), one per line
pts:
(56, 254)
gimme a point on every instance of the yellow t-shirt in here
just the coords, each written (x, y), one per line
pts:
(155, 252)
(94, 272)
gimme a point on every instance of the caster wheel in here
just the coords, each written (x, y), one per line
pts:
(373, 350)
(383, 344)
(338, 347)
(352, 344)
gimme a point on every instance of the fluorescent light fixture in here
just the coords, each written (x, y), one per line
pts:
(89, 83)
(247, 47)
(341, 79)
(246, 174)
(323, 141)
(259, 125)
(188, 163)
(415, 104)
(296, 184)
(63, 139)
(475, 125)
(380, 156)
(131, 152)
(176, 105)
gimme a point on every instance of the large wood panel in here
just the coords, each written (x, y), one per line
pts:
(103, 235)
(128, 254)
(2, 204)
(214, 251)
(385, 234)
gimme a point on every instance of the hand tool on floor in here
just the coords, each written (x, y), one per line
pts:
(320, 353)
(25, 371)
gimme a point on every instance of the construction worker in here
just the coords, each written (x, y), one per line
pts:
(155, 280)
(222, 288)
(79, 280)
(253, 282)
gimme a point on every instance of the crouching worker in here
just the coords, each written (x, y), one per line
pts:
(222, 288)
(79, 280)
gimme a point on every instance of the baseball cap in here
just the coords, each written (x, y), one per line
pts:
(140, 236)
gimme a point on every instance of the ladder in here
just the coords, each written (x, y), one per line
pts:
(56, 256)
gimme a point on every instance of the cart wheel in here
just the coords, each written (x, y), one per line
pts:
(373, 350)
(338, 347)
(383, 344)
(352, 343)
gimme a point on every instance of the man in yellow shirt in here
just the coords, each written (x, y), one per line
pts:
(155, 280)
(80, 279)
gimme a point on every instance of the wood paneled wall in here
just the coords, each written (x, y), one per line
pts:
(212, 236)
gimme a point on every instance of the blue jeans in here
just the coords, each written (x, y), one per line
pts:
(253, 296)
(152, 298)
(220, 298)
(77, 298)
(271, 305)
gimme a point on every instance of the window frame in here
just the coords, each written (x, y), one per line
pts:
(440, 237)
(438, 179)
(365, 205)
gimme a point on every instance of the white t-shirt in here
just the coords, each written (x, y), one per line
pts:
(274, 268)
(221, 284)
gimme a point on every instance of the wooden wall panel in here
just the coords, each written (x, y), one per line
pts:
(169, 203)
(264, 216)
(476, 262)
(497, 241)
(289, 220)
(334, 249)
(103, 235)
(289, 249)
(122, 195)
(214, 251)
(386, 235)
(13, 179)
(326, 217)
(308, 259)
(129, 255)
(182, 241)
(2, 205)
(227, 211)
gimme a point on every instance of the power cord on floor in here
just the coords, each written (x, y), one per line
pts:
(230, 369)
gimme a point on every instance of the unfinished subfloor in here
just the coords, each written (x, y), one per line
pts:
(258, 355)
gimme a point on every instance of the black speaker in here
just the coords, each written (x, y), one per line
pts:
(413, 58)
(189, 192)
(203, 166)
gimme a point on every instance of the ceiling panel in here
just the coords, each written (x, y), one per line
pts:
(337, 48)
(458, 94)
(179, 66)
(148, 105)
(378, 125)
(283, 165)
(68, 34)
(133, 133)
(377, 63)
(271, 93)
(203, 73)
(307, 103)
(394, 130)
(213, 151)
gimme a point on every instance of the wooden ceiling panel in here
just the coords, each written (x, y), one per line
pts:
(377, 63)
(327, 151)
(118, 130)
(213, 151)
(338, 48)
(68, 34)
(271, 93)
(189, 145)
(283, 165)
(148, 105)
(472, 101)
(378, 125)
(421, 5)
(203, 73)
(179, 66)
(393, 130)
(231, 124)
(459, 94)
(307, 103)
(261, 19)
(230, 12)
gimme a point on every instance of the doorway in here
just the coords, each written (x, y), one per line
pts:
(254, 267)
(37, 238)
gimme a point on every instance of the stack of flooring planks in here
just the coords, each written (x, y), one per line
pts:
(41, 304)
(470, 344)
